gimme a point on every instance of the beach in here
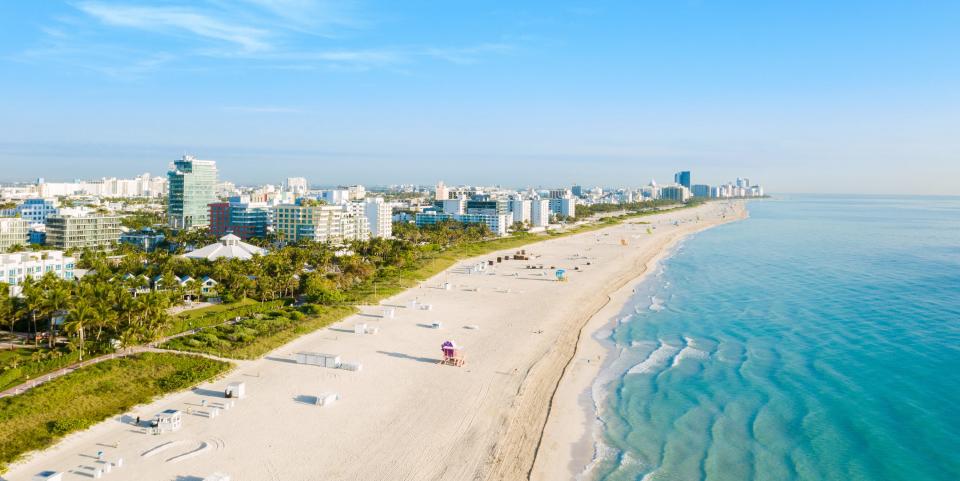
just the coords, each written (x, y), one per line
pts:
(404, 415)
(567, 445)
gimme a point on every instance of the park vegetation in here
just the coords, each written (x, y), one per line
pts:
(39, 417)
(123, 301)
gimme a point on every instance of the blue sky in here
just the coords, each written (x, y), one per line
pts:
(807, 96)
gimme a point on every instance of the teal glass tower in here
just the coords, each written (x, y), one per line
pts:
(192, 188)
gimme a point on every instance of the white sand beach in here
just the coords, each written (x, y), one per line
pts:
(567, 444)
(404, 416)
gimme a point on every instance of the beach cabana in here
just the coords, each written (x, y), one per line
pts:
(318, 359)
(169, 420)
(235, 390)
(352, 366)
(360, 328)
(327, 398)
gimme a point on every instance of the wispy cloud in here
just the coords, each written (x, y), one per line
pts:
(246, 34)
(163, 19)
(312, 17)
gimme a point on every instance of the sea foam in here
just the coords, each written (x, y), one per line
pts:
(656, 360)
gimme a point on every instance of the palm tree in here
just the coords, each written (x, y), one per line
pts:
(80, 315)
(32, 303)
(154, 315)
(126, 310)
(55, 299)
(7, 310)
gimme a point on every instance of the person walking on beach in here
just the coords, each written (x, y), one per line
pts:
(138, 420)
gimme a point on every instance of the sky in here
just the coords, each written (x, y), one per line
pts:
(813, 96)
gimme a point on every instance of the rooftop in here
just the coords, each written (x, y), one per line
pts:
(230, 247)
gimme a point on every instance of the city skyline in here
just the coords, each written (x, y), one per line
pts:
(807, 97)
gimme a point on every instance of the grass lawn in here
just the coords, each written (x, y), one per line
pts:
(252, 338)
(39, 417)
(217, 314)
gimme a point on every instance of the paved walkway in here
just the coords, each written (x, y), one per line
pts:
(151, 347)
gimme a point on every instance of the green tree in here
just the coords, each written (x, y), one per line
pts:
(7, 309)
(81, 314)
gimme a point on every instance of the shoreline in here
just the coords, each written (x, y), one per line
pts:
(568, 447)
(403, 415)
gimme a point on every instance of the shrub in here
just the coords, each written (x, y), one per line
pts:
(39, 417)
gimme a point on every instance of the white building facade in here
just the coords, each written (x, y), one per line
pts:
(540, 212)
(379, 215)
(15, 268)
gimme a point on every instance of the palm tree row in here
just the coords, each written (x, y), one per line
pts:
(121, 303)
(91, 312)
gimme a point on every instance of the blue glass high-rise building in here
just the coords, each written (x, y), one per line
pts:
(192, 188)
(682, 178)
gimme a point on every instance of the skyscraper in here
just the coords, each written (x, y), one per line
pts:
(682, 178)
(442, 192)
(297, 185)
(192, 188)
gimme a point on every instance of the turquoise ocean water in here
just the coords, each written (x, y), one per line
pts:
(817, 340)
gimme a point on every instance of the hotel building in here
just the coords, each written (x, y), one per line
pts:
(678, 193)
(320, 223)
(72, 229)
(13, 231)
(497, 224)
(192, 188)
(14, 268)
(240, 217)
(379, 215)
(34, 211)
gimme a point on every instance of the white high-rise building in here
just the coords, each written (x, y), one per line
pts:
(356, 192)
(380, 216)
(540, 212)
(520, 208)
(15, 268)
(297, 185)
(141, 186)
(442, 192)
(335, 196)
(13, 231)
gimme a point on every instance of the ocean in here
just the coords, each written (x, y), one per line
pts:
(817, 340)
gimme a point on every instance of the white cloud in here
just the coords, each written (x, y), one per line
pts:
(255, 34)
(162, 19)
